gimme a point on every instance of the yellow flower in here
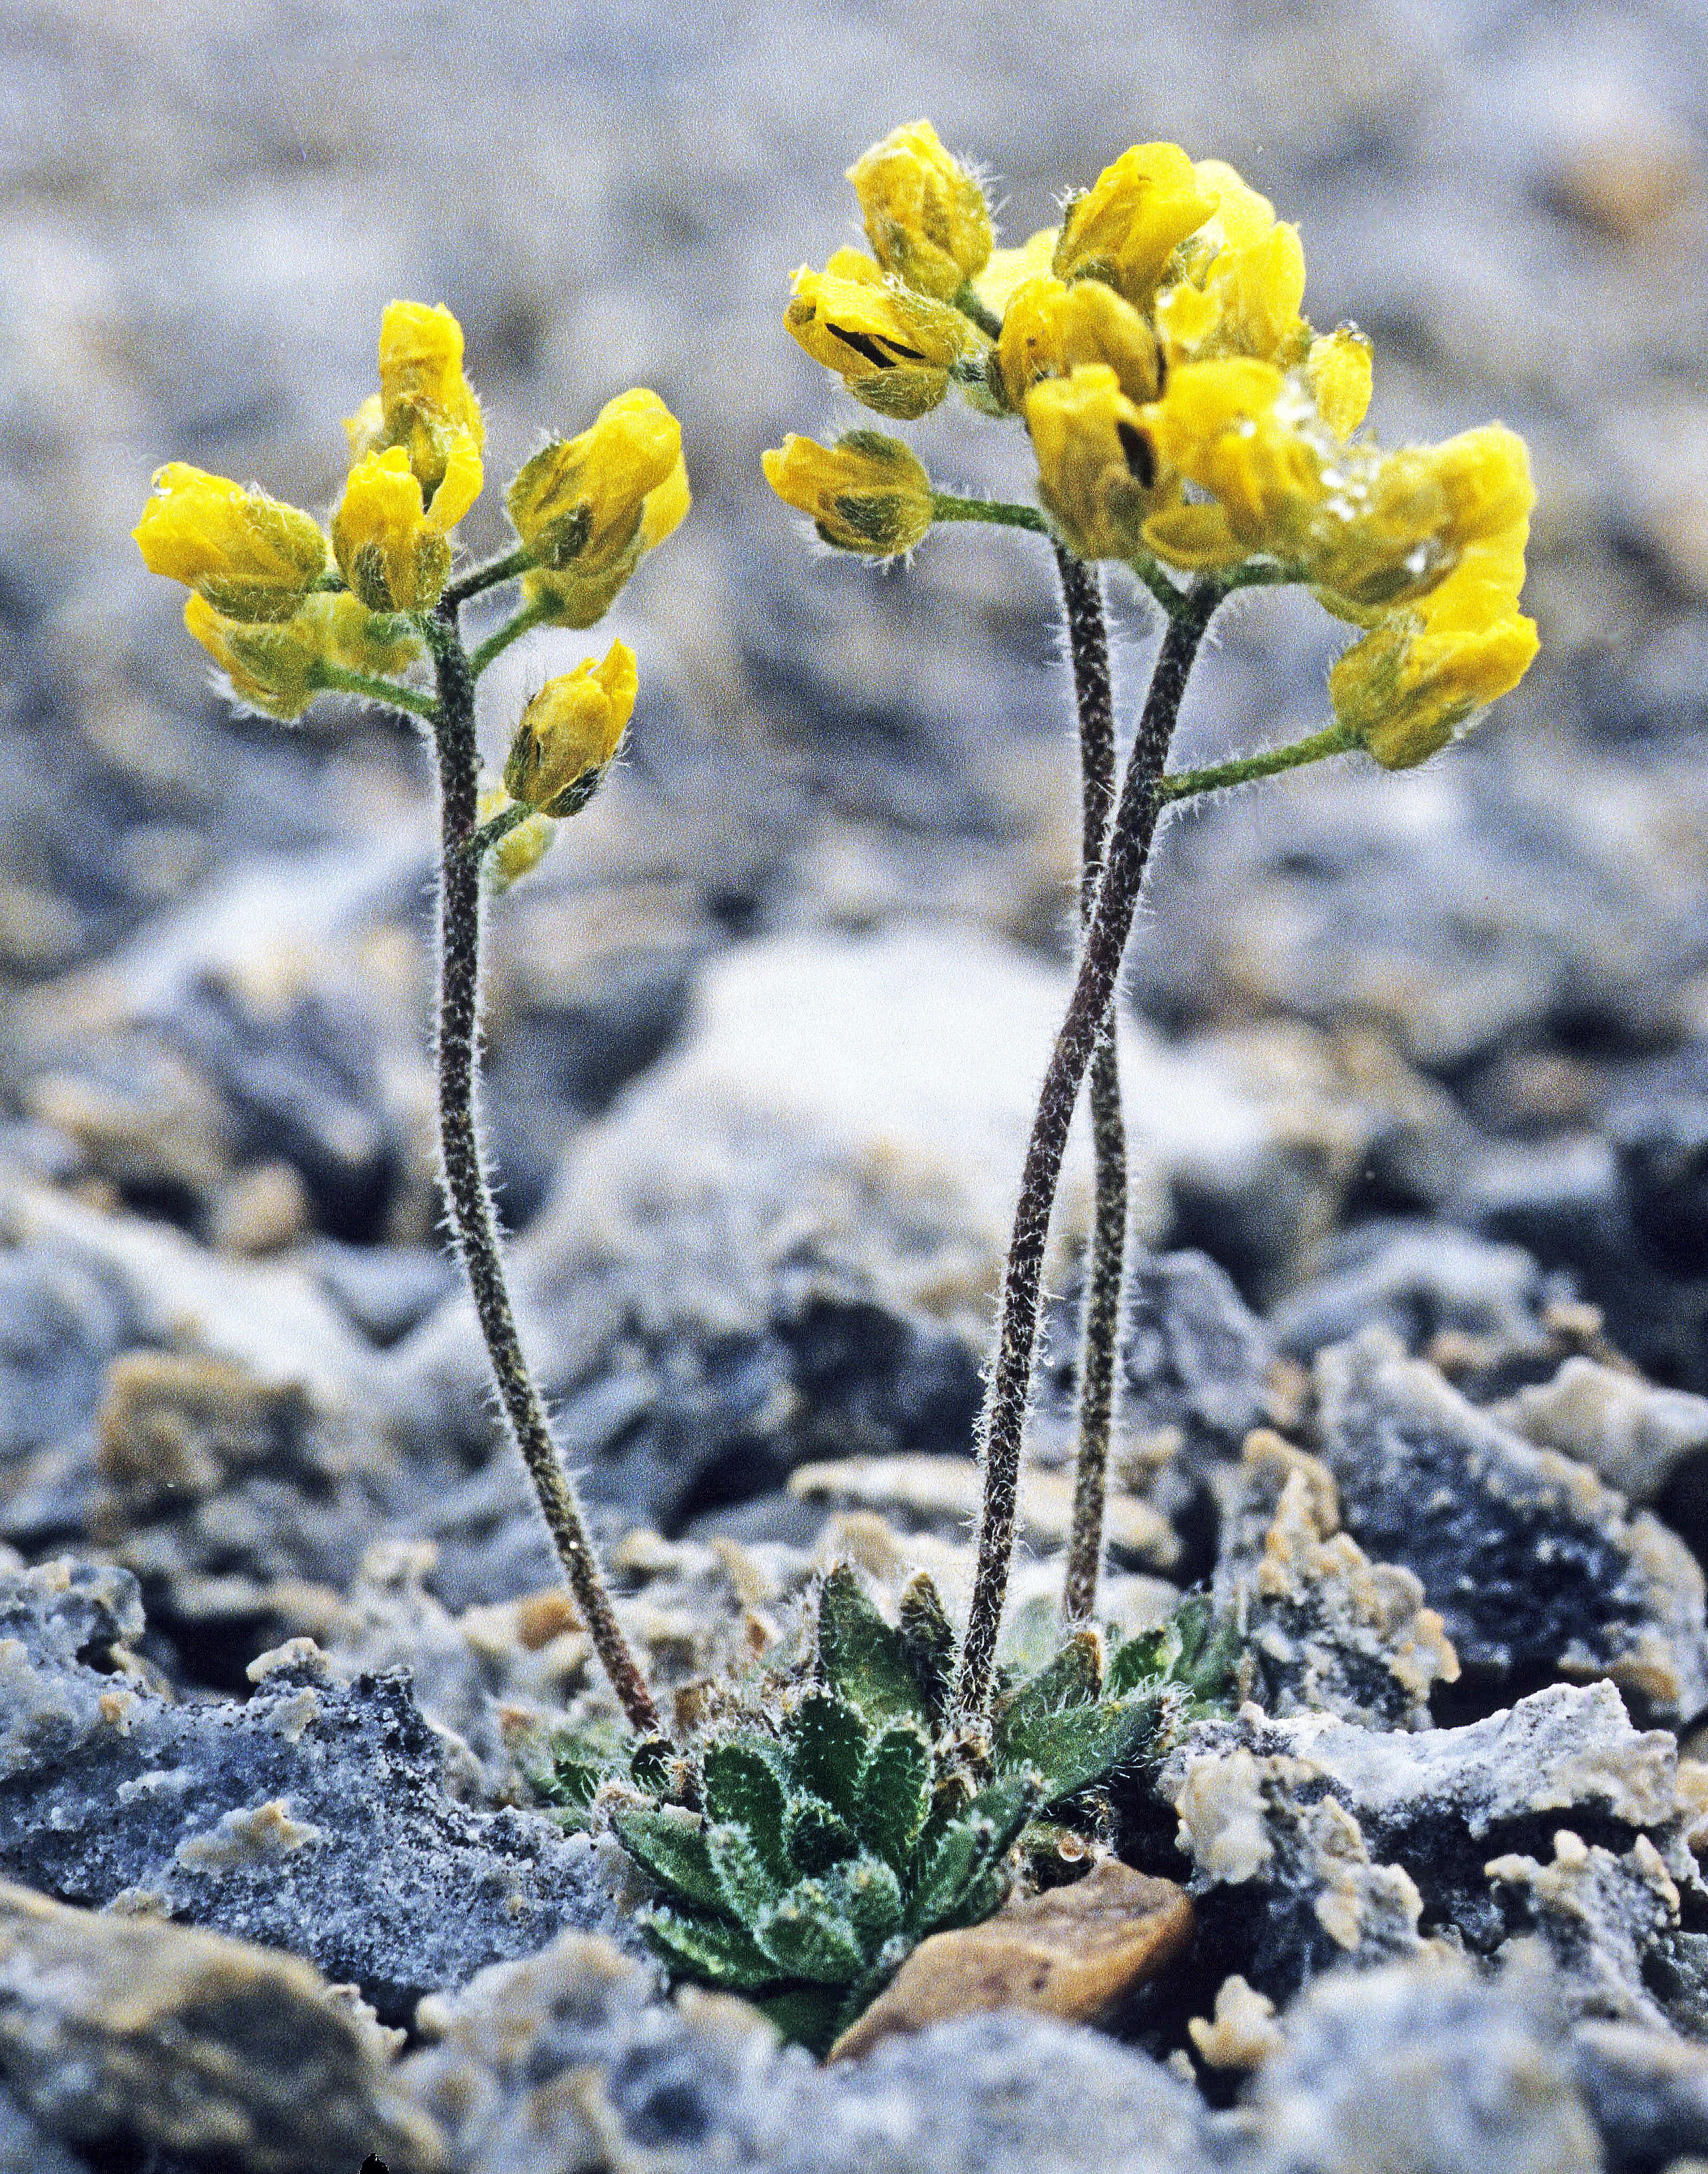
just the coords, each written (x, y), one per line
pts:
(249, 555)
(280, 665)
(1338, 371)
(1219, 425)
(1008, 269)
(893, 348)
(866, 493)
(1126, 226)
(1392, 524)
(424, 404)
(519, 852)
(589, 507)
(394, 556)
(570, 733)
(1051, 328)
(1097, 470)
(926, 216)
(1426, 671)
(1239, 281)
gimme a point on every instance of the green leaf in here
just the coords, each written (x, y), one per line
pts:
(929, 1637)
(1192, 1649)
(1144, 1659)
(743, 1883)
(860, 1657)
(867, 1893)
(651, 1764)
(984, 1894)
(741, 1788)
(710, 1951)
(895, 1796)
(581, 1759)
(802, 1933)
(827, 1742)
(810, 2015)
(1072, 1677)
(815, 1836)
(948, 1868)
(674, 1851)
(1075, 1748)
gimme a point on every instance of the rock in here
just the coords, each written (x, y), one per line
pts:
(1633, 1434)
(1614, 1914)
(558, 2060)
(313, 1818)
(25, 2149)
(1647, 2089)
(1422, 2065)
(120, 2031)
(1419, 1282)
(1243, 2033)
(1313, 1834)
(1073, 1952)
(1325, 1628)
(1536, 1568)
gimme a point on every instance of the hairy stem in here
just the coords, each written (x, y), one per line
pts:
(337, 681)
(486, 575)
(1270, 762)
(513, 629)
(1099, 1330)
(466, 1187)
(1001, 513)
(1008, 1393)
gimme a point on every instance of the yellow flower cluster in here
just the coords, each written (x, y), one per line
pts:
(1181, 409)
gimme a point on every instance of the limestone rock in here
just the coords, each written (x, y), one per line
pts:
(1073, 1952)
(1326, 1630)
(1536, 1567)
(1633, 1434)
(119, 2032)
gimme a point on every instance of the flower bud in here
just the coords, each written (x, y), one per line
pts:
(425, 405)
(248, 555)
(1239, 283)
(1124, 228)
(1426, 671)
(1010, 269)
(892, 348)
(570, 733)
(1338, 371)
(866, 493)
(1219, 425)
(280, 665)
(1050, 328)
(926, 216)
(582, 501)
(393, 556)
(1097, 467)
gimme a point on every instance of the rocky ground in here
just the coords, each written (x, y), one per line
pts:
(1417, 1075)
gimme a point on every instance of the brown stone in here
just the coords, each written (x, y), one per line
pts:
(1072, 1952)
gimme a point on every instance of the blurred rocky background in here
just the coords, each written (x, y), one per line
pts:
(1425, 1054)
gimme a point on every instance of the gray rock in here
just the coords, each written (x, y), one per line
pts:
(118, 2032)
(1416, 1280)
(545, 2064)
(313, 1818)
(1647, 2090)
(1634, 1435)
(1423, 2066)
(1536, 1568)
(27, 2149)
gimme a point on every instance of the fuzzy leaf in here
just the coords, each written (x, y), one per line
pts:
(895, 1797)
(1192, 1649)
(948, 1869)
(581, 1759)
(742, 1788)
(1142, 1660)
(741, 1882)
(986, 1891)
(867, 1893)
(860, 1657)
(815, 1836)
(651, 1762)
(803, 1934)
(1074, 1748)
(929, 1637)
(673, 1851)
(827, 1742)
(967, 1856)
(1074, 1677)
(710, 1951)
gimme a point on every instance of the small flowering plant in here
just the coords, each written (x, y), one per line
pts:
(369, 603)
(1182, 420)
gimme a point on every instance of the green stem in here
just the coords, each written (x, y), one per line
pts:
(486, 575)
(469, 1196)
(1271, 762)
(479, 843)
(968, 303)
(946, 507)
(337, 681)
(495, 644)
